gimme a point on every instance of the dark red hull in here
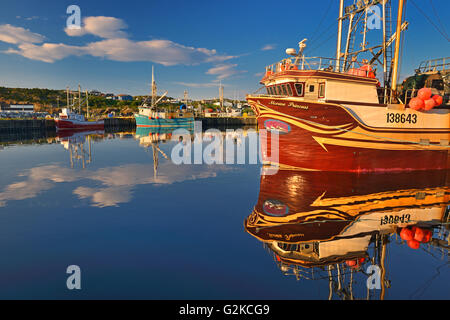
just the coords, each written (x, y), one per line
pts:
(300, 146)
(77, 125)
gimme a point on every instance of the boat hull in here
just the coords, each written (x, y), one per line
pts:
(144, 121)
(329, 137)
(62, 124)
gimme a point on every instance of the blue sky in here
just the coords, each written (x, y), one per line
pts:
(193, 45)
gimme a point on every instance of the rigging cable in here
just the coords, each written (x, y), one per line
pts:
(431, 21)
(437, 17)
(321, 21)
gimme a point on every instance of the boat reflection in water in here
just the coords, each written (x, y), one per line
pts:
(333, 226)
(151, 137)
(75, 142)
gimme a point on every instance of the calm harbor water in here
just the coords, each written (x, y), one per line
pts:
(141, 227)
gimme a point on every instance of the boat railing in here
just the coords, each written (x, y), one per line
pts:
(360, 68)
(435, 65)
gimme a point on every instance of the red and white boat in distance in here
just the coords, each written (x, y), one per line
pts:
(69, 120)
(334, 114)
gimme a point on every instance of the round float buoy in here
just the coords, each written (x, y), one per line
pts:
(419, 234)
(406, 234)
(414, 244)
(428, 235)
(351, 263)
(429, 104)
(416, 104)
(424, 93)
(437, 99)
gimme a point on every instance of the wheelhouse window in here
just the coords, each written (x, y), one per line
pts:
(322, 90)
(289, 90)
(278, 90)
(299, 89)
(283, 90)
(312, 88)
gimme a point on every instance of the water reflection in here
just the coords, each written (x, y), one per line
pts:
(333, 226)
(110, 185)
(75, 143)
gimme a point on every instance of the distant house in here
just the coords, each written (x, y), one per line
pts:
(17, 107)
(110, 96)
(125, 97)
(95, 93)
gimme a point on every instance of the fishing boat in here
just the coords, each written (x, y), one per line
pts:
(153, 116)
(334, 114)
(324, 225)
(68, 119)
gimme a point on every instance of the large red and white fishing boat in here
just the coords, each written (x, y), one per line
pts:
(334, 114)
(69, 120)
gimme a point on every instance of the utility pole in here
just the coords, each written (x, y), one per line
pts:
(221, 96)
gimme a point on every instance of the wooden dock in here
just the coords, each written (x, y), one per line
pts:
(115, 124)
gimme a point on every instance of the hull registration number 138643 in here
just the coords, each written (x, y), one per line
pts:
(401, 118)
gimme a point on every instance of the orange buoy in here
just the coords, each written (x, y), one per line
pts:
(406, 234)
(351, 263)
(416, 104)
(438, 99)
(429, 104)
(419, 234)
(424, 93)
(361, 260)
(414, 244)
(428, 235)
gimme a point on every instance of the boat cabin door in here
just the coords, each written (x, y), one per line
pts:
(311, 90)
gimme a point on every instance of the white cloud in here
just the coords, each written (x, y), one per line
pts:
(224, 71)
(165, 52)
(17, 35)
(268, 47)
(104, 27)
(47, 52)
(114, 46)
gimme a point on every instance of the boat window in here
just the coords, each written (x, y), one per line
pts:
(283, 90)
(311, 88)
(278, 90)
(289, 90)
(322, 90)
(268, 90)
(299, 89)
(272, 89)
(437, 84)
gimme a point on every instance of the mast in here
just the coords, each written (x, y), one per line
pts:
(67, 94)
(397, 47)
(87, 104)
(79, 99)
(384, 53)
(154, 90)
(339, 37)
